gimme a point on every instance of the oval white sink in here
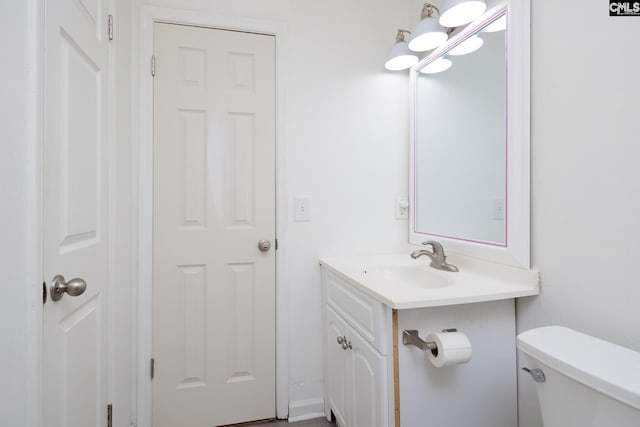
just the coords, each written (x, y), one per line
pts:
(419, 274)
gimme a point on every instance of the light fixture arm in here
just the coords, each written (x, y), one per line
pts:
(400, 57)
(401, 36)
(427, 11)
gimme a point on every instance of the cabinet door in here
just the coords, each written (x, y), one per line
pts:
(369, 403)
(337, 378)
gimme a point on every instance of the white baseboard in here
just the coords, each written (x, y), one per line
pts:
(306, 410)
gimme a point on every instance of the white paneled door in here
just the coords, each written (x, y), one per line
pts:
(214, 202)
(75, 213)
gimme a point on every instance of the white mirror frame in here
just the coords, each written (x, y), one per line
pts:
(516, 251)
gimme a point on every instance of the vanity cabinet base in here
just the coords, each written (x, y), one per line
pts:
(479, 393)
(372, 380)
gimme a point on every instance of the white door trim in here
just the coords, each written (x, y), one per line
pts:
(142, 129)
(35, 195)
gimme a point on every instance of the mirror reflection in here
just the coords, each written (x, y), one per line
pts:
(460, 142)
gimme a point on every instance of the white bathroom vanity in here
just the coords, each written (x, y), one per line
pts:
(372, 379)
(469, 191)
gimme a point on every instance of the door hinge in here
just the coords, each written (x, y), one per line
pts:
(276, 244)
(44, 293)
(110, 27)
(153, 367)
(153, 65)
(109, 415)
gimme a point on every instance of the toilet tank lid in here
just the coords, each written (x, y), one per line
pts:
(606, 367)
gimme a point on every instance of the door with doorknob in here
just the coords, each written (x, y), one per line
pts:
(214, 225)
(76, 207)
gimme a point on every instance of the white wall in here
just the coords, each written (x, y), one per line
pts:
(346, 141)
(585, 176)
(343, 144)
(16, 211)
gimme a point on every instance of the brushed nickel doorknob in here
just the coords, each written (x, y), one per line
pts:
(73, 287)
(264, 245)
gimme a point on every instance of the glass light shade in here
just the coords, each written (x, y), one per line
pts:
(460, 12)
(471, 44)
(439, 65)
(427, 35)
(400, 57)
(499, 24)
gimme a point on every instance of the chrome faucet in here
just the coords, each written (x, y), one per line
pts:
(438, 258)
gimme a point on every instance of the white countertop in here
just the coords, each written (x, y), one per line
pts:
(402, 283)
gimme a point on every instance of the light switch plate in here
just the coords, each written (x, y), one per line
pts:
(402, 207)
(301, 209)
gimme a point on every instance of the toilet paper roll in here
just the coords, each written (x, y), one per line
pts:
(453, 348)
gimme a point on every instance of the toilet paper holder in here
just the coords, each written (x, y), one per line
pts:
(411, 337)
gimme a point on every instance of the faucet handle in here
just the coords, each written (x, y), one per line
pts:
(438, 258)
(437, 247)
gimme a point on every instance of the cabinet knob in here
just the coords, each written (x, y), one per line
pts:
(340, 340)
(346, 345)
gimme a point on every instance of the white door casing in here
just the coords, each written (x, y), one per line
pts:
(214, 199)
(75, 211)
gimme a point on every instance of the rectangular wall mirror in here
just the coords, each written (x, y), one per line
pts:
(470, 141)
(460, 144)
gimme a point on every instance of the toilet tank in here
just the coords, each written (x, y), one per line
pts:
(588, 382)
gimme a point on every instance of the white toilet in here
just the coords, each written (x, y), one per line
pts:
(584, 381)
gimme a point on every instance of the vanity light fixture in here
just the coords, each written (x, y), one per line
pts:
(400, 57)
(460, 12)
(499, 24)
(428, 34)
(471, 44)
(439, 65)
